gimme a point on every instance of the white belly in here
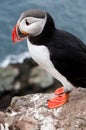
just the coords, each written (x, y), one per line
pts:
(41, 55)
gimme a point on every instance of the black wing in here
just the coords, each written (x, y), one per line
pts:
(68, 55)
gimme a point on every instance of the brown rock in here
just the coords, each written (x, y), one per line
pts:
(26, 123)
(30, 112)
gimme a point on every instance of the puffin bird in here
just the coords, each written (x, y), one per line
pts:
(59, 52)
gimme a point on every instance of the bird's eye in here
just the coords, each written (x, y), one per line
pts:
(27, 23)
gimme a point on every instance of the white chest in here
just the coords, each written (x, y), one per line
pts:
(40, 54)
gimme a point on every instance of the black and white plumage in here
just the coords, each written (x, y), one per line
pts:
(58, 52)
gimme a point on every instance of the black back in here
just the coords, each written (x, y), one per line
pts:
(68, 55)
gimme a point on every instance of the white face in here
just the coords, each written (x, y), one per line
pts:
(32, 26)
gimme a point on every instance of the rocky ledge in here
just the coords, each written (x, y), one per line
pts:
(30, 112)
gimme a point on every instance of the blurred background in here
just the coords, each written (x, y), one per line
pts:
(69, 15)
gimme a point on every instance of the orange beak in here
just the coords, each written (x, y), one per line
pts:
(15, 36)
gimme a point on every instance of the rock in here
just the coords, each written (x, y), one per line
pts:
(33, 77)
(31, 112)
(40, 78)
(21, 80)
(15, 76)
(26, 123)
(7, 76)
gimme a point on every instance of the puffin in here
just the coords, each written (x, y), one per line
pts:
(60, 53)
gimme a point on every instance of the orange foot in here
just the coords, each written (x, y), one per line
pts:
(59, 91)
(61, 98)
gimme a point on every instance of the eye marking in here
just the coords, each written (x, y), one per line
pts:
(27, 23)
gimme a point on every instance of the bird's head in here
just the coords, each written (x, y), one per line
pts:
(30, 24)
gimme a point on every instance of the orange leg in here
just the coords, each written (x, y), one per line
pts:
(60, 99)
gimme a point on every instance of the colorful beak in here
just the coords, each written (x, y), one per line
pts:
(15, 36)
